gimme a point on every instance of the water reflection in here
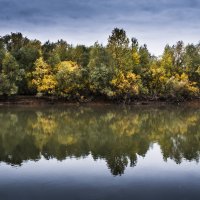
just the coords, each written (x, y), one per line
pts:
(114, 134)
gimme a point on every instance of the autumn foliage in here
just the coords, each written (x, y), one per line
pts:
(122, 70)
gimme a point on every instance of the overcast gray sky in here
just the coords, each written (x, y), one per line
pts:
(154, 22)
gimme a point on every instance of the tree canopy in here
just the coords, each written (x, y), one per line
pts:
(122, 70)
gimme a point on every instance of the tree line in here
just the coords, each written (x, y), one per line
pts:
(122, 70)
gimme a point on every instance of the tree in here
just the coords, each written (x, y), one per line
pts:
(14, 42)
(157, 80)
(100, 71)
(118, 46)
(43, 78)
(126, 86)
(27, 55)
(192, 62)
(67, 77)
(9, 75)
(180, 87)
(167, 61)
(135, 55)
(178, 55)
(81, 55)
(2, 52)
(47, 49)
(98, 55)
(122, 69)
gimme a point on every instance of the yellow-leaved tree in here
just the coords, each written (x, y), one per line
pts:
(157, 80)
(180, 86)
(126, 85)
(43, 78)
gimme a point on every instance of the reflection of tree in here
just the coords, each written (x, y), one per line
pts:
(114, 134)
(15, 145)
(117, 164)
(179, 135)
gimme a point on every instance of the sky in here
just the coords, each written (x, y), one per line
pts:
(153, 22)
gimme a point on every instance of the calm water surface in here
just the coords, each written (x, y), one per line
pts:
(97, 153)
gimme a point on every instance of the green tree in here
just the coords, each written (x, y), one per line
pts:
(100, 70)
(27, 55)
(68, 79)
(81, 55)
(178, 56)
(135, 55)
(10, 75)
(47, 49)
(14, 42)
(2, 52)
(192, 62)
(118, 46)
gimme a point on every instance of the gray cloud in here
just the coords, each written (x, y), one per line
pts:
(155, 22)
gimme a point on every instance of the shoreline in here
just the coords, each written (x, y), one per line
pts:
(46, 100)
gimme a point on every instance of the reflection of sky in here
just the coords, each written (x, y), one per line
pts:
(88, 178)
(154, 22)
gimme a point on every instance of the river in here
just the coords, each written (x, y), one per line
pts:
(99, 152)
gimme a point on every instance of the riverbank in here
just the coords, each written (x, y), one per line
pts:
(34, 100)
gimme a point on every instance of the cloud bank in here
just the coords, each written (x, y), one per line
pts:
(154, 22)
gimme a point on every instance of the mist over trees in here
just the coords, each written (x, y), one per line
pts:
(122, 70)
